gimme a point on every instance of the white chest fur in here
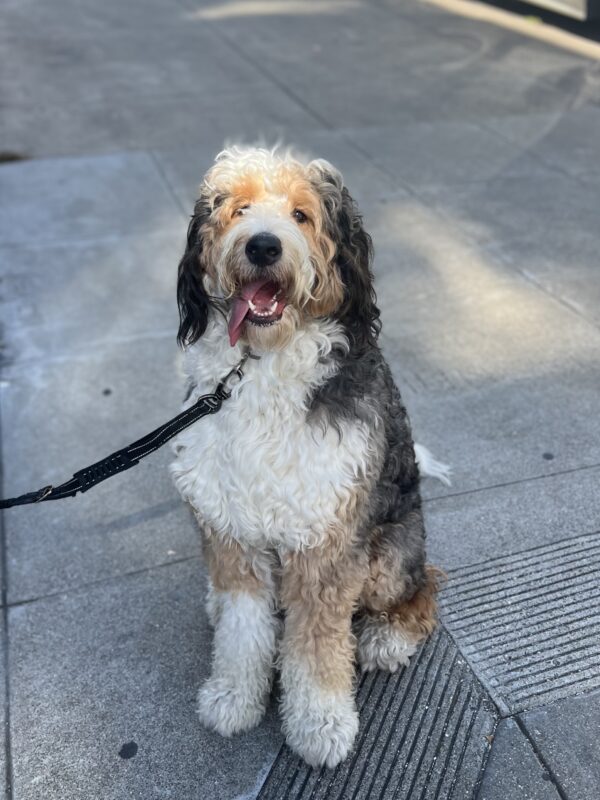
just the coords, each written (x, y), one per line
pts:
(257, 471)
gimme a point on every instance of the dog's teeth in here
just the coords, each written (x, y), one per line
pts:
(267, 312)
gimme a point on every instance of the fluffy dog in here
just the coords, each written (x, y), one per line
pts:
(306, 483)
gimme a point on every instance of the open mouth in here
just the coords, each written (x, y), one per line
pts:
(260, 303)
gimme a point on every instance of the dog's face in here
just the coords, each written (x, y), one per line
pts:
(276, 242)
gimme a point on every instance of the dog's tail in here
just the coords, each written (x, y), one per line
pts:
(429, 467)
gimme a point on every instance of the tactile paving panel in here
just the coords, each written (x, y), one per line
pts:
(423, 735)
(529, 624)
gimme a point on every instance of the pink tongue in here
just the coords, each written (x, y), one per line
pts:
(241, 306)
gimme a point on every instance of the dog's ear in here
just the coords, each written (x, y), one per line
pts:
(354, 255)
(192, 298)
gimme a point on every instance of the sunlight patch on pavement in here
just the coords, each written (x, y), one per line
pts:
(471, 316)
(262, 8)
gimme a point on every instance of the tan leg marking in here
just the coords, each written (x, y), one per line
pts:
(388, 638)
(320, 594)
(418, 615)
(229, 566)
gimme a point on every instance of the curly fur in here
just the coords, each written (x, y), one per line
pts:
(306, 483)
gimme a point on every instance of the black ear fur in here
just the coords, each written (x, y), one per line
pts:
(193, 300)
(359, 312)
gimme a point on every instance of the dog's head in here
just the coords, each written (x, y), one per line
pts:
(275, 242)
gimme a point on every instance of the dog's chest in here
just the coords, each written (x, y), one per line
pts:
(260, 472)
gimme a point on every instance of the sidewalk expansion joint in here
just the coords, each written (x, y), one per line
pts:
(505, 484)
(99, 582)
(540, 757)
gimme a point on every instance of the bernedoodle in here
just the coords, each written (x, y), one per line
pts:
(306, 484)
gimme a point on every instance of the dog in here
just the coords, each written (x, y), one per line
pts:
(306, 483)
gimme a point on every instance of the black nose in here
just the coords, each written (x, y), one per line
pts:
(263, 249)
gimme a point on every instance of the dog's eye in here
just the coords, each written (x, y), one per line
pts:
(240, 211)
(299, 216)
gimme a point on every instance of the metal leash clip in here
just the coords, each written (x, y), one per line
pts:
(237, 371)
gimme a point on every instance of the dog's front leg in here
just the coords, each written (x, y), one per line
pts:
(241, 600)
(319, 592)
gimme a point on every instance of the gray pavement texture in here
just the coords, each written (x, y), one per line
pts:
(473, 151)
(424, 732)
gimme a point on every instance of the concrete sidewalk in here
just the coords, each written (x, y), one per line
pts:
(474, 152)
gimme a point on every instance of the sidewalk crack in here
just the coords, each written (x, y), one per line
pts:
(538, 754)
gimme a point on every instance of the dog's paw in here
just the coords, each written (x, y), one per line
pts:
(323, 736)
(383, 645)
(226, 708)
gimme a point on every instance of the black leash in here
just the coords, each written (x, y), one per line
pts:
(129, 456)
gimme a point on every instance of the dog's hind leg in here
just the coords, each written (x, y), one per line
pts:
(242, 610)
(398, 598)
